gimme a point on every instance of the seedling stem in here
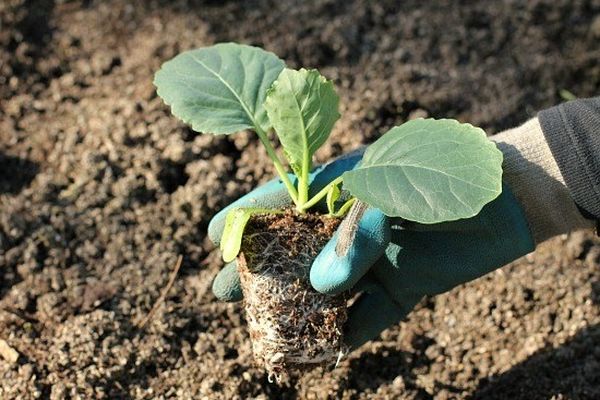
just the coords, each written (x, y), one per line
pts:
(278, 165)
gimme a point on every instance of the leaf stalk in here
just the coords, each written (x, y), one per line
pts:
(319, 196)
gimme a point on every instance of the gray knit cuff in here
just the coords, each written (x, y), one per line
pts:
(572, 131)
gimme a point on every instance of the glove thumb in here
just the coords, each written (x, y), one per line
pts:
(332, 274)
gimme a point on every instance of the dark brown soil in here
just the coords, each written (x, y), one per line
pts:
(102, 189)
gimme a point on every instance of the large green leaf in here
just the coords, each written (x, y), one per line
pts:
(302, 106)
(429, 171)
(219, 89)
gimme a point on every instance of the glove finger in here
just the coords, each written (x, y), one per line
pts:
(333, 274)
(272, 194)
(226, 286)
(372, 313)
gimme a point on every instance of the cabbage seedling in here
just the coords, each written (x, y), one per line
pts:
(425, 170)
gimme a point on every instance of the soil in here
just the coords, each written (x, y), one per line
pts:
(293, 327)
(297, 234)
(102, 190)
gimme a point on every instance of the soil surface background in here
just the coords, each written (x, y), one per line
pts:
(101, 189)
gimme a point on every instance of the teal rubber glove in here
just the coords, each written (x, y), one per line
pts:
(393, 265)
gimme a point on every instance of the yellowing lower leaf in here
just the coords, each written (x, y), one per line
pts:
(235, 223)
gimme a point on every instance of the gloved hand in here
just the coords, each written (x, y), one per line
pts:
(395, 266)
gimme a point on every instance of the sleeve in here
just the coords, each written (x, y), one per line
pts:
(531, 172)
(572, 131)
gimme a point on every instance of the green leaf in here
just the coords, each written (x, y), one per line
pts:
(429, 171)
(219, 89)
(332, 196)
(235, 223)
(302, 106)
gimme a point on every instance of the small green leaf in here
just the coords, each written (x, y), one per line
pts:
(219, 89)
(302, 106)
(429, 171)
(567, 95)
(332, 196)
(235, 223)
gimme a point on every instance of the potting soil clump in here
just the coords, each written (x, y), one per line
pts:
(292, 326)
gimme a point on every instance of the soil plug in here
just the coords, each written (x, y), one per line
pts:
(292, 326)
